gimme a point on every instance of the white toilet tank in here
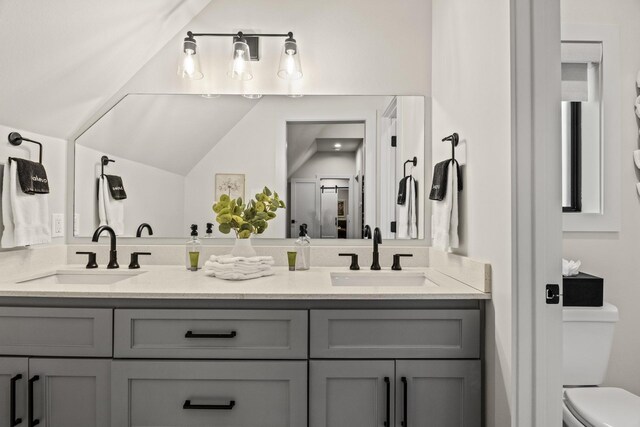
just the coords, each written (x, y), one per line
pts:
(587, 337)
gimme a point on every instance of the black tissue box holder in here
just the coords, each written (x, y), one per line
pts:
(583, 290)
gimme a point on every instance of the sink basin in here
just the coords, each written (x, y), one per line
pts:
(82, 277)
(380, 279)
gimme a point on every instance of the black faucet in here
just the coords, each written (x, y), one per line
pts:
(142, 227)
(377, 240)
(113, 254)
(366, 234)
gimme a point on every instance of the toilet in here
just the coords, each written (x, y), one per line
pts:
(587, 337)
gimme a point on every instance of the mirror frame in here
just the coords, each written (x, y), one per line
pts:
(608, 219)
(277, 242)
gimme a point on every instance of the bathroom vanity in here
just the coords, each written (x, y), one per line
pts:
(174, 348)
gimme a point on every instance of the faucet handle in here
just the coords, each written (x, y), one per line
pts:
(134, 259)
(396, 261)
(354, 261)
(91, 261)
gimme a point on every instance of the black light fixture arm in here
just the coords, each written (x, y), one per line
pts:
(16, 139)
(239, 34)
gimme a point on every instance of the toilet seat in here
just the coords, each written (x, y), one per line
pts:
(603, 406)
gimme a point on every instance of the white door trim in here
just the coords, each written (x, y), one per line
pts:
(536, 212)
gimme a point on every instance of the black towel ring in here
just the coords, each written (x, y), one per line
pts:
(454, 139)
(104, 161)
(16, 139)
(413, 161)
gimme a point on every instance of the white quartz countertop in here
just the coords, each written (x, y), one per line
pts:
(175, 282)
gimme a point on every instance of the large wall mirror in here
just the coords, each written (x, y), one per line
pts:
(338, 162)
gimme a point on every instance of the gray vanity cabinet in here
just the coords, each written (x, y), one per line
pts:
(351, 393)
(13, 391)
(64, 392)
(443, 393)
(209, 393)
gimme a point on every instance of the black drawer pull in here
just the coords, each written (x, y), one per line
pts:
(228, 406)
(387, 422)
(191, 334)
(32, 422)
(13, 421)
(404, 422)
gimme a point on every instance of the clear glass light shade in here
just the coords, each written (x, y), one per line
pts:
(290, 68)
(189, 66)
(240, 66)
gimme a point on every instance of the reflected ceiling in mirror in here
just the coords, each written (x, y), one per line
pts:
(175, 154)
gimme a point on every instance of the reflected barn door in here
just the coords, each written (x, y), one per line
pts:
(329, 214)
(303, 207)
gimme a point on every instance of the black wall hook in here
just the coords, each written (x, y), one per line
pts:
(16, 139)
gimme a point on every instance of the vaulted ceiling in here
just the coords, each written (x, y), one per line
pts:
(61, 60)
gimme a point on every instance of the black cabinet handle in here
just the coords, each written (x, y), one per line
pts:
(32, 422)
(191, 334)
(405, 392)
(13, 421)
(387, 422)
(228, 406)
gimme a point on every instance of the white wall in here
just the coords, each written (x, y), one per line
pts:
(614, 256)
(143, 185)
(471, 95)
(328, 163)
(256, 146)
(53, 158)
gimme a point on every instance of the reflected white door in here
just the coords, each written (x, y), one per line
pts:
(329, 214)
(303, 206)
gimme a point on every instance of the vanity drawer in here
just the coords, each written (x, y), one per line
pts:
(168, 393)
(397, 334)
(72, 332)
(211, 334)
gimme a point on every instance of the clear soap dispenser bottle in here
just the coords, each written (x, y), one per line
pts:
(194, 247)
(303, 248)
(209, 232)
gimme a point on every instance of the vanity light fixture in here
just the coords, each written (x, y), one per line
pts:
(245, 50)
(337, 145)
(252, 95)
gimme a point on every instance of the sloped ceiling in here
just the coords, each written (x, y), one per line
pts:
(169, 132)
(61, 60)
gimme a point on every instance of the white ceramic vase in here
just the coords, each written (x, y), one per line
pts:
(243, 248)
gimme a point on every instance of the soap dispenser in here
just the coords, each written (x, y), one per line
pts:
(194, 247)
(303, 248)
(209, 232)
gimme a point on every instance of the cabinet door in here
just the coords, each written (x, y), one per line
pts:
(351, 393)
(13, 391)
(442, 393)
(71, 392)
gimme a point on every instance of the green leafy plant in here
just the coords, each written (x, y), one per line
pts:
(247, 218)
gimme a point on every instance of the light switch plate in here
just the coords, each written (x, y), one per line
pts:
(57, 225)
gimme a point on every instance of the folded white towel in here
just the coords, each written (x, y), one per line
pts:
(229, 259)
(407, 213)
(444, 228)
(238, 276)
(110, 210)
(27, 213)
(239, 268)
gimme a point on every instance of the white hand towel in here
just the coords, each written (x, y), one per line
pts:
(238, 276)
(445, 214)
(407, 213)
(7, 214)
(240, 268)
(113, 209)
(229, 259)
(29, 213)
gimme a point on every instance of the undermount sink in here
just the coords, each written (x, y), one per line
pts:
(82, 277)
(380, 279)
